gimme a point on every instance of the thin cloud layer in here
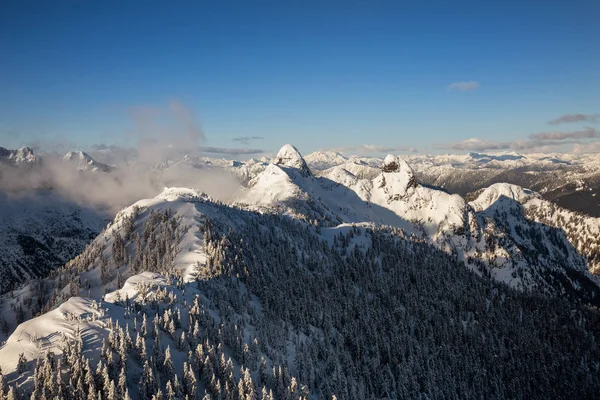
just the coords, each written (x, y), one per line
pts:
(246, 139)
(464, 86)
(538, 142)
(475, 144)
(583, 134)
(229, 151)
(570, 118)
(374, 149)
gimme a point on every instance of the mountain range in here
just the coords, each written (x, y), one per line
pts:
(356, 279)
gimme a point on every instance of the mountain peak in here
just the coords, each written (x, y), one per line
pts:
(498, 192)
(289, 156)
(398, 177)
(77, 155)
(392, 163)
(85, 162)
(24, 155)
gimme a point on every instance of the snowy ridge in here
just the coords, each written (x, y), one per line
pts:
(503, 201)
(569, 180)
(395, 198)
(41, 231)
(321, 160)
(493, 193)
(84, 162)
(77, 317)
(178, 220)
(183, 278)
(22, 156)
(289, 156)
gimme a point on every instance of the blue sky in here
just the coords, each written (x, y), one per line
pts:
(318, 74)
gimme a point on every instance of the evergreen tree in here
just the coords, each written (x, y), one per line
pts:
(21, 364)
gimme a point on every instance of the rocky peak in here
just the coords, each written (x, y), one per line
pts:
(24, 155)
(289, 156)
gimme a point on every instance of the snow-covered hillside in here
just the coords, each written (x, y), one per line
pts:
(501, 200)
(19, 157)
(569, 180)
(40, 231)
(184, 296)
(395, 198)
(321, 160)
(85, 163)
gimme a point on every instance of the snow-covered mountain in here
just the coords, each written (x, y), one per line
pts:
(344, 282)
(569, 180)
(188, 296)
(357, 191)
(40, 231)
(85, 163)
(22, 156)
(501, 201)
(476, 233)
(321, 160)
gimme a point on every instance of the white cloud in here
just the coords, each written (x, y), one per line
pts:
(464, 86)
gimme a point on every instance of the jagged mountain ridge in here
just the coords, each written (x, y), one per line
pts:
(21, 156)
(84, 162)
(581, 231)
(475, 235)
(363, 193)
(221, 277)
(569, 180)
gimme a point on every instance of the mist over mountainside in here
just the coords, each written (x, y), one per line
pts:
(52, 205)
(22, 156)
(83, 162)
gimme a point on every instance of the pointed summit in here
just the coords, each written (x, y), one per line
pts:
(84, 162)
(390, 164)
(395, 164)
(77, 155)
(289, 156)
(397, 178)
